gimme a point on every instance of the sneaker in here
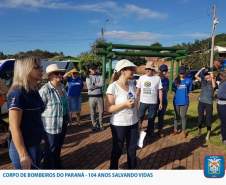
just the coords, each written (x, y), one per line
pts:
(94, 129)
(175, 132)
(101, 129)
(208, 136)
(179, 131)
(160, 133)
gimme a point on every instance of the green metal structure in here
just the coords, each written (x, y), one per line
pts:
(110, 51)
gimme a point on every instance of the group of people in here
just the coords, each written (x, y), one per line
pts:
(128, 104)
(40, 116)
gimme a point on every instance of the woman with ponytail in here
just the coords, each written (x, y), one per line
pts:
(122, 103)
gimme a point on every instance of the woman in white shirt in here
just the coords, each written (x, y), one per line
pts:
(122, 103)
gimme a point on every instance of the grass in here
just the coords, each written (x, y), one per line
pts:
(192, 119)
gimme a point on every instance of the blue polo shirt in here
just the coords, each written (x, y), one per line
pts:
(32, 106)
(181, 92)
(75, 86)
(165, 89)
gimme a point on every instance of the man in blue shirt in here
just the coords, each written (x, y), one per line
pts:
(75, 86)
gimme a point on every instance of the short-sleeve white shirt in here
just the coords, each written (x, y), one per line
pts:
(149, 86)
(125, 117)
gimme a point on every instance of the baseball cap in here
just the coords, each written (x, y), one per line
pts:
(182, 70)
(163, 67)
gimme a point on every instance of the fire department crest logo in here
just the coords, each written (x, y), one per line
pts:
(214, 166)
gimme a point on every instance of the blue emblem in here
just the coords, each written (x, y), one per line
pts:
(214, 166)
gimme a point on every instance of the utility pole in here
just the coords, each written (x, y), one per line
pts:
(214, 23)
(103, 28)
(102, 33)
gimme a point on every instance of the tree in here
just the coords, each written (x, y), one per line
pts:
(2, 56)
(156, 44)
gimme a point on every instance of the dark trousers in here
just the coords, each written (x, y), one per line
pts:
(53, 145)
(161, 114)
(52, 151)
(221, 109)
(120, 134)
(205, 114)
(152, 111)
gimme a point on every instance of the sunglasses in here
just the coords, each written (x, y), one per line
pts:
(38, 67)
(149, 69)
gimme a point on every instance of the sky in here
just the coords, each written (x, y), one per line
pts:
(71, 26)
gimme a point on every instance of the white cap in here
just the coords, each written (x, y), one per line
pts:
(53, 68)
(123, 64)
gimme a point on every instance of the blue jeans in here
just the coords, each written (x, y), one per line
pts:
(119, 135)
(34, 152)
(152, 111)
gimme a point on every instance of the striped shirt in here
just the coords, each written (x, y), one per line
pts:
(52, 117)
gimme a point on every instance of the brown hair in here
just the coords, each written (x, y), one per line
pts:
(115, 76)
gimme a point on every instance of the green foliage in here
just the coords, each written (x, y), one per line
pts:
(94, 49)
(62, 57)
(136, 60)
(199, 51)
(35, 53)
(38, 53)
(88, 58)
(156, 44)
(2, 56)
